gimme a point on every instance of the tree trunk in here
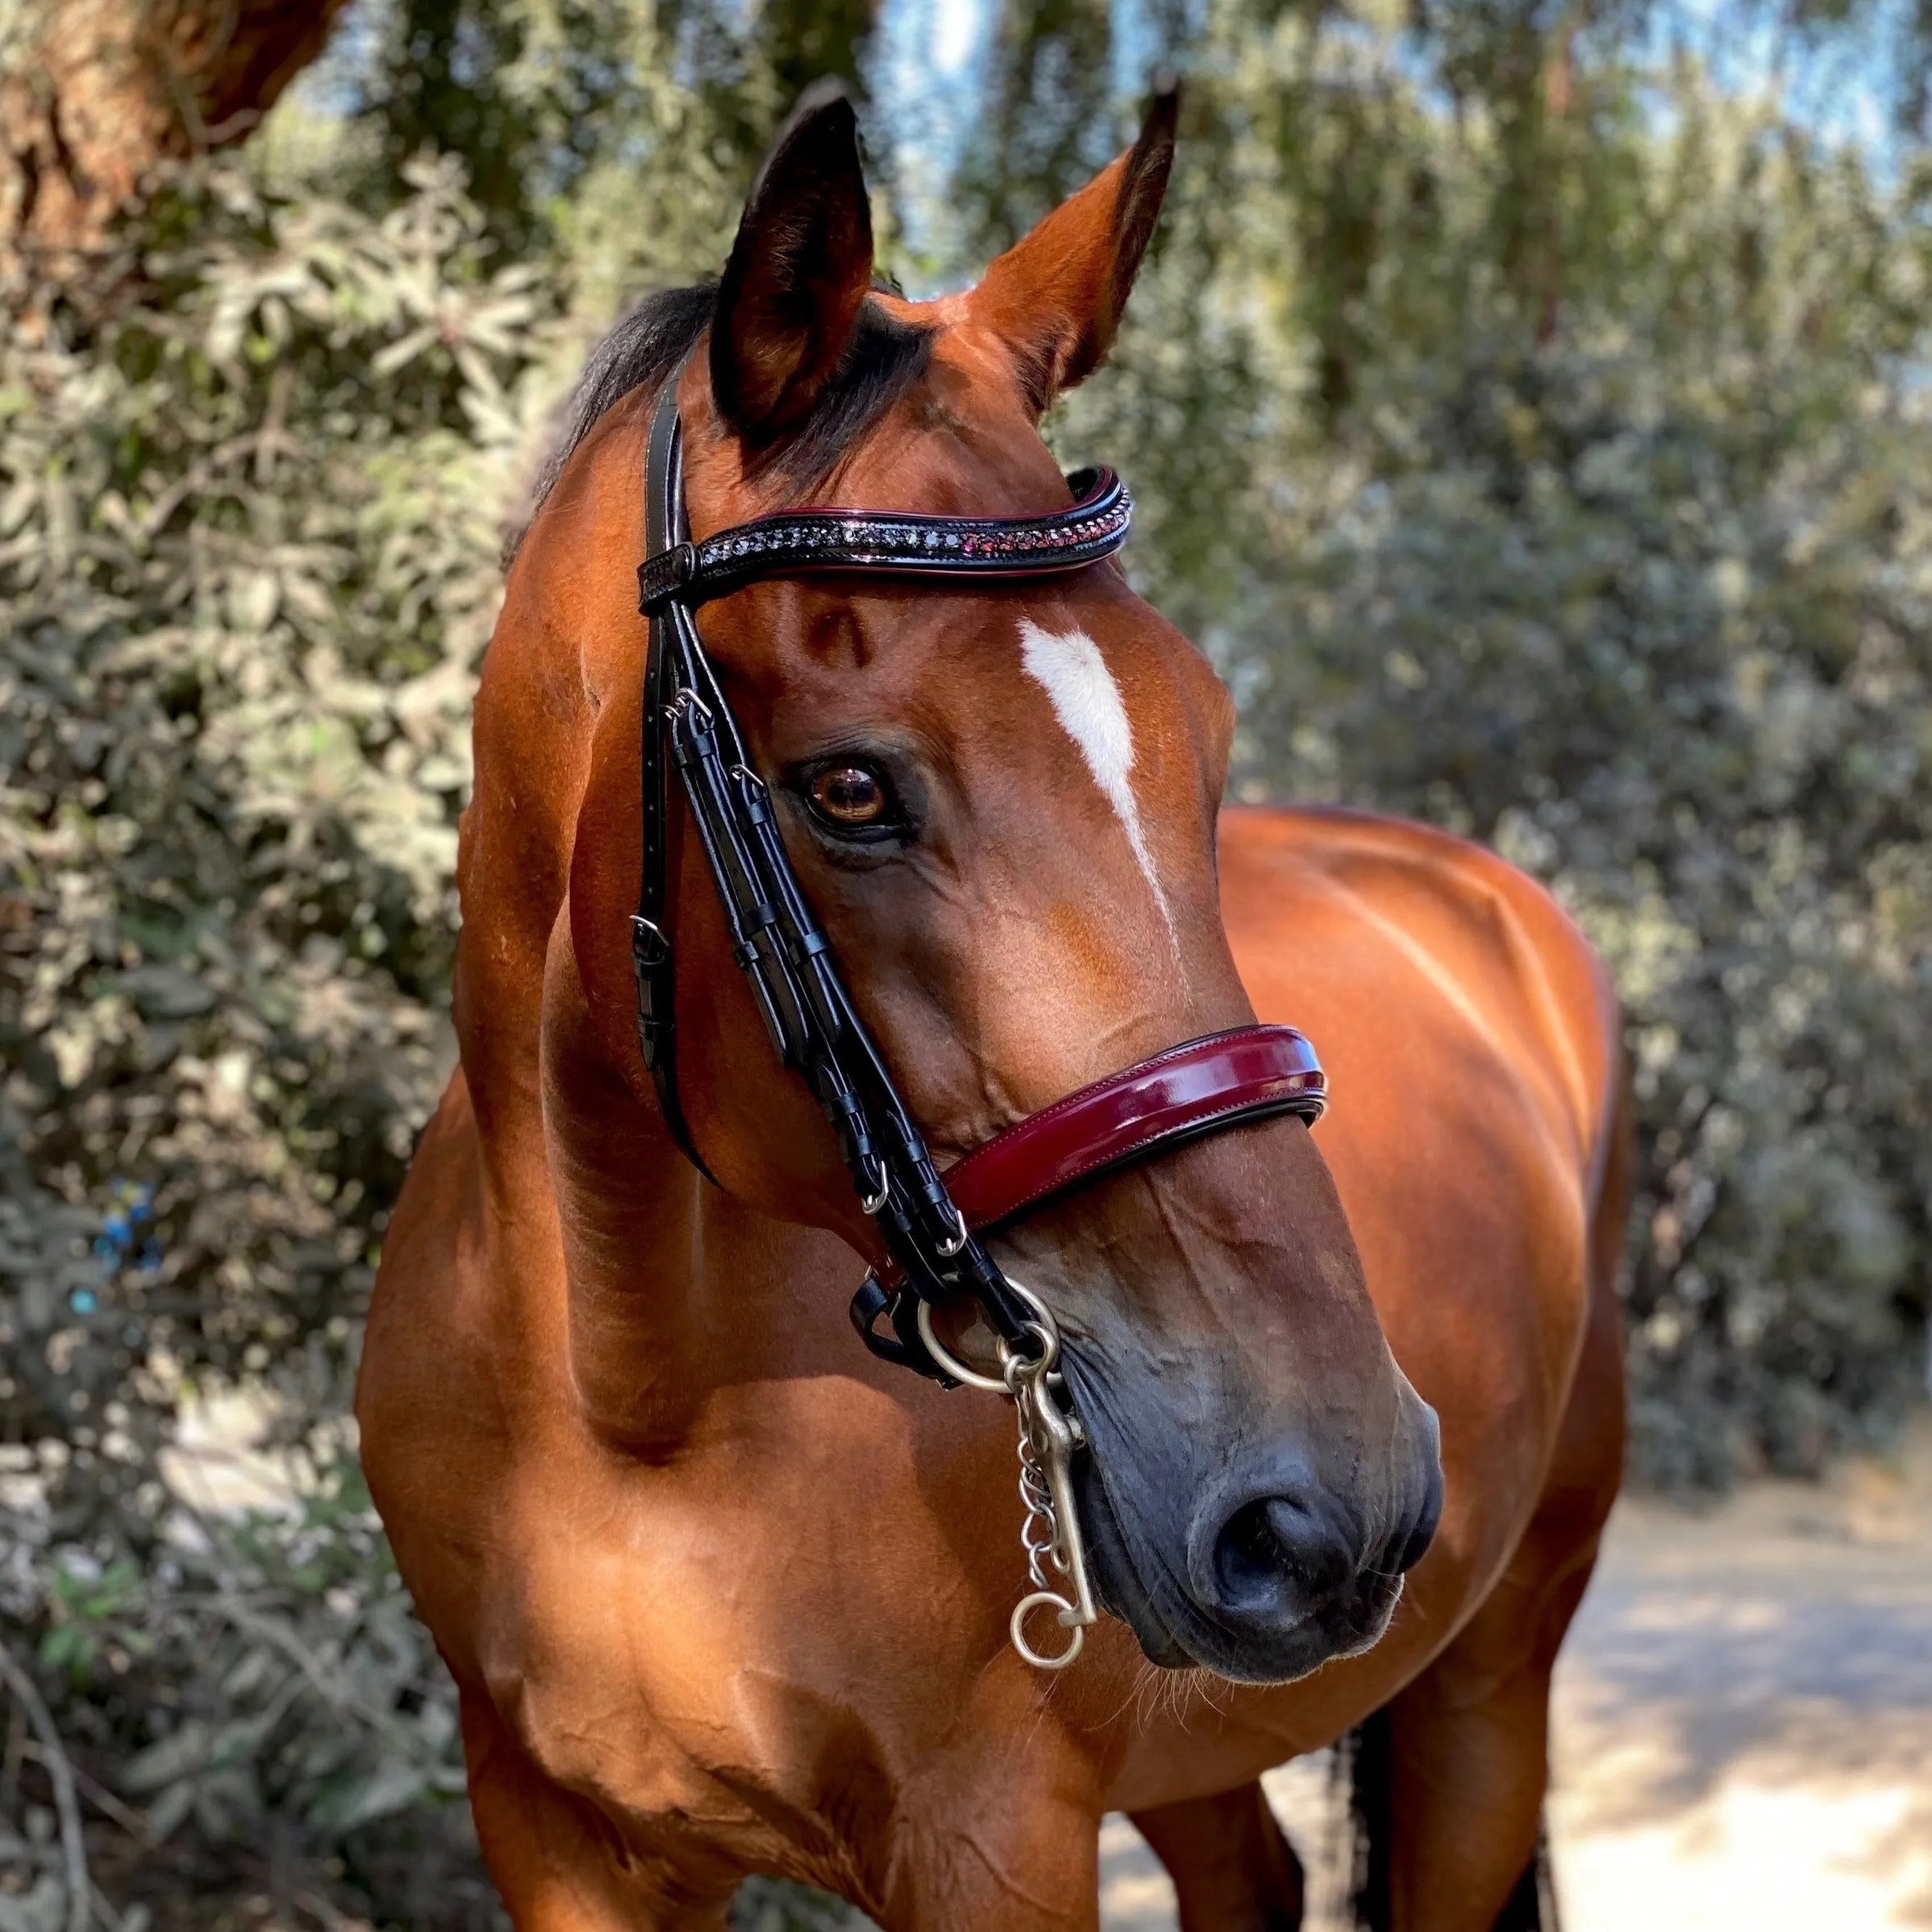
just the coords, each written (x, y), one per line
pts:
(93, 92)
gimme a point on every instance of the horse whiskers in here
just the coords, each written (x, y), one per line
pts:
(1159, 1690)
(1150, 1691)
(1210, 1688)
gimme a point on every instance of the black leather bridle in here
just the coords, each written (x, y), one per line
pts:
(929, 1250)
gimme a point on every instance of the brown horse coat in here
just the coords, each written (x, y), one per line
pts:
(721, 1593)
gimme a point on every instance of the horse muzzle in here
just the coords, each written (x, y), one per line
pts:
(1263, 1572)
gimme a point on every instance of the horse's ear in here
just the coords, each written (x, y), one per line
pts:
(1055, 298)
(798, 274)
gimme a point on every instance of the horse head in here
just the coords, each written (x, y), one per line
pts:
(1000, 798)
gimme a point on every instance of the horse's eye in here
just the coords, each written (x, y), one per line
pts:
(851, 797)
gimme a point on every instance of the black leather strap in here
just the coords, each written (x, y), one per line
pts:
(786, 960)
(651, 958)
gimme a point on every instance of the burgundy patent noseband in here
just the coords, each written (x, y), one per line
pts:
(1176, 1095)
(928, 1222)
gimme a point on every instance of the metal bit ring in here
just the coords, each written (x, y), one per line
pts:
(1068, 1616)
(951, 1363)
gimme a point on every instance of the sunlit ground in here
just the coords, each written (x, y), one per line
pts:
(1744, 1722)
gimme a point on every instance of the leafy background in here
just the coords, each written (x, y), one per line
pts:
(1527, 407)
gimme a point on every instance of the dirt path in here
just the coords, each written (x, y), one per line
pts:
(1744, 1721)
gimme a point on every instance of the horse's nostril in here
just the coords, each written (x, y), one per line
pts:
(1249, 1555)
(1275, 1549)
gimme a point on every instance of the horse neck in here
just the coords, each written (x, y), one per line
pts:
(572, 1160)
(656, 1285)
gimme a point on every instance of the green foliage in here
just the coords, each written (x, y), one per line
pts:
(250, 542)
(569, 118)
(1668, 653)
(249, 551)
(262, 1678)
(250, 536)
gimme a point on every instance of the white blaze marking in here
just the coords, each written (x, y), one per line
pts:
(1068, 667)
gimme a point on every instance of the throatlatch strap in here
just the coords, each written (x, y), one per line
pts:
(651, 962)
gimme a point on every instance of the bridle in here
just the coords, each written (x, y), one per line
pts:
(927, 1224)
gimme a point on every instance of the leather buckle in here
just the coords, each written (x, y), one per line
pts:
(650, 949)
(661, 577)
(902, 1348)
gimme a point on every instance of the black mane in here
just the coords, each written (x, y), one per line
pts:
(884, 358)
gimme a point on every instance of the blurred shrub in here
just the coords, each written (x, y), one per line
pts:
(262, 1713)
(1669, 650)
(249, 563)
(250, 553)
(248, 541)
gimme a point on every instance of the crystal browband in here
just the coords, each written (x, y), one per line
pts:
(795, 540)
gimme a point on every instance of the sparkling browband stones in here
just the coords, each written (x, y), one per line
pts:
(1094, 527)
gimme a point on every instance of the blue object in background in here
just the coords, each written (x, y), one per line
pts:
(121, 1241)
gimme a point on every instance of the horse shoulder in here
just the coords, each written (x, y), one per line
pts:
(1471, 1038)
(1325, 895)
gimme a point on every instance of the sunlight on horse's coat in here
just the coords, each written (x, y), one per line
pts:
(1067, 665)
(577, 1533)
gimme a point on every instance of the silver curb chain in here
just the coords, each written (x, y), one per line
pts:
(1049, 1432)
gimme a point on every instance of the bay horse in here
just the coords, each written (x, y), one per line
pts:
(1339, 1413)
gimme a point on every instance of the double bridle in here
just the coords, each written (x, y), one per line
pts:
(928, 1224)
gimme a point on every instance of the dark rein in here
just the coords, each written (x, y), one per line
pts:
(928, 1223)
